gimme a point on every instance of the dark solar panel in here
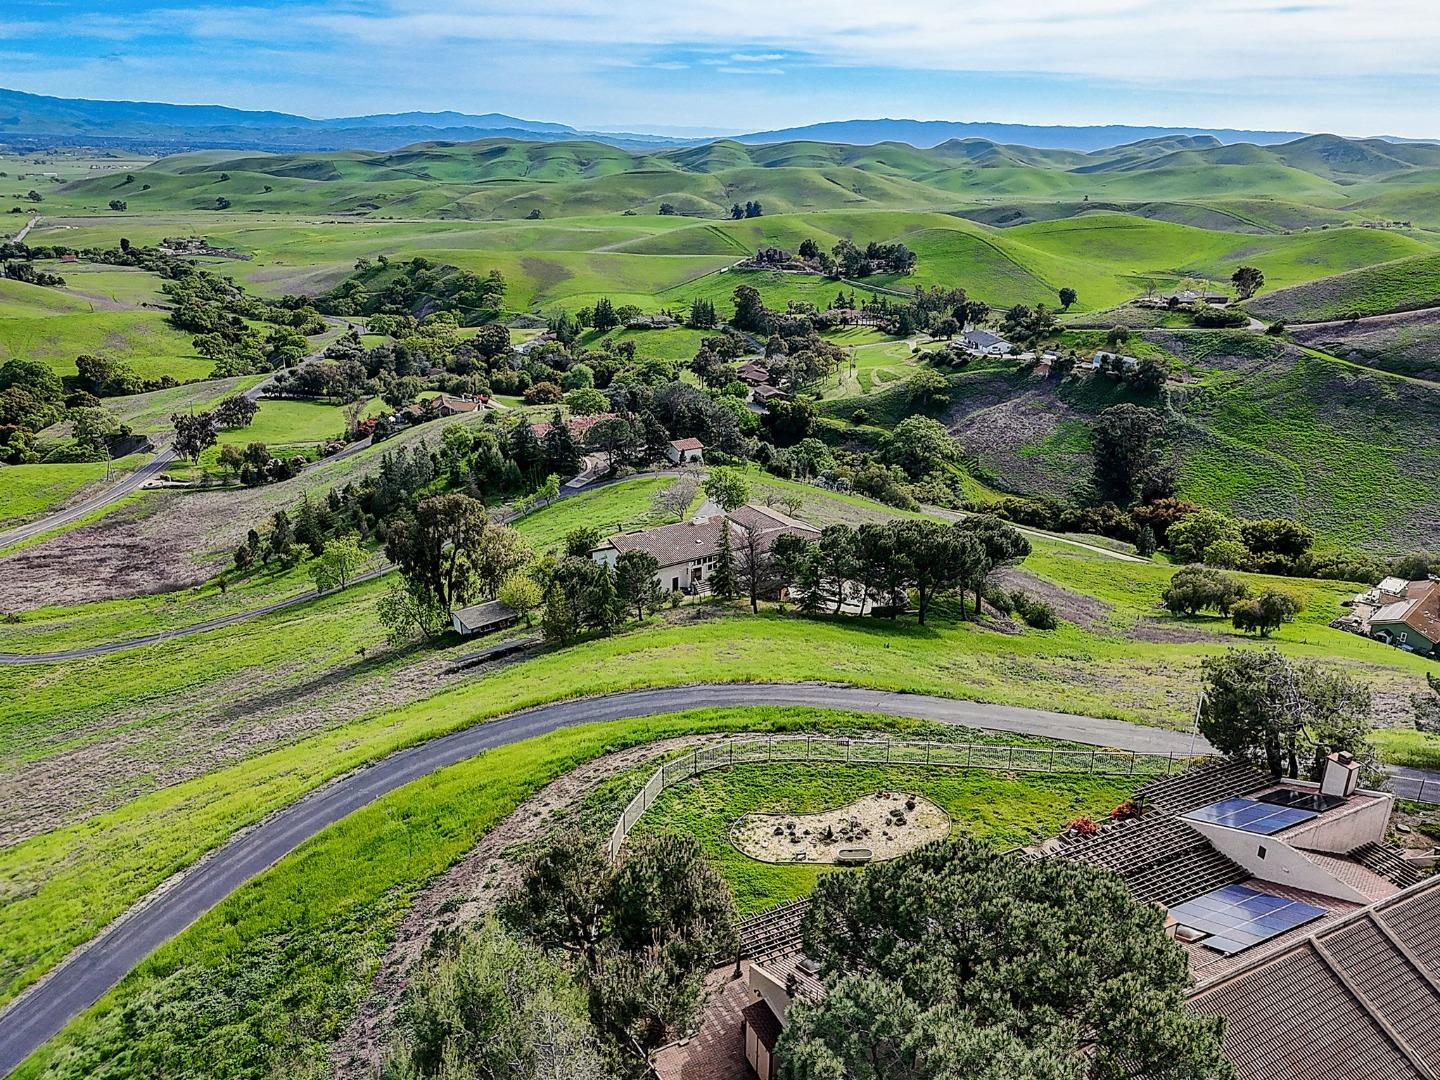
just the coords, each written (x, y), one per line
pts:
(1302, 800)
(1251, 816)
(1237, 917)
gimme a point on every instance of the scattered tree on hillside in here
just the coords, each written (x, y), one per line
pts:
(1126, 450)
(237, 411)
(194, 433)
(1264, 707)
(750, 314)
(956, 961)
(118, 204)
(1267, 612)
(727, 487)
(493, 1006)
(702, 314)
(1001, 543)
(637, 583)
(725, 577)
(520, 593)
(603, 317)
(338, 562)
(1068, 297)
(1196, 537)
(450, 553)
(1195, 588)
(1248, 280)
(920, 446)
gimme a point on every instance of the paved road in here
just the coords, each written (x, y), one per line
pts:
(1422, 785)
(93, 970)
(105, 648)
(19, 237)
(133, 481)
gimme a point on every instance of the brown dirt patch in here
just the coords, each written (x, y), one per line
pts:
(885, 823)
(1167, 632)
(1084, 611)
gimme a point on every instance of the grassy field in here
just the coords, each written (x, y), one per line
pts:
(1004, 810)
(1401, 285)
(260, 985)
(143, 339)
(27, 491)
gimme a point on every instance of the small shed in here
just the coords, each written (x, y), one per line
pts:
(483, 618)
(686, 452)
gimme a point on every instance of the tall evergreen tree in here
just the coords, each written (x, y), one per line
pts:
(725, 578)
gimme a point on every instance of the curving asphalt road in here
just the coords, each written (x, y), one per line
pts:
(89, 973)
(134, 481)
(17, 659)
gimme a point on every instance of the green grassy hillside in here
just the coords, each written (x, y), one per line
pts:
(1402, 285)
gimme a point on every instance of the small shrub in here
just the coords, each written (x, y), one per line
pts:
(1082, 826)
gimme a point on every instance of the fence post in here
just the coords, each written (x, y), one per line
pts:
(1133, 756)
(927, 753)
(1009, 757)
(1092, 761)
(1052, 759)
(969, 754)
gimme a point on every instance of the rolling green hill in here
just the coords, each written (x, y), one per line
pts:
(505, 178)
(1401, 285)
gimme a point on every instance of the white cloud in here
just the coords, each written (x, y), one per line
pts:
(1138, 39)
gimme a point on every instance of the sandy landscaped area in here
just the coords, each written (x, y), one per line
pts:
(887, 823)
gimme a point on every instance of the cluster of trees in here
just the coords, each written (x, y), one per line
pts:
(32, 397)
(449, 555)
(362, 509)
(1286, 715)
(220, 314)
(752, 208)
(848, 260)
(416, 286)
(26, 272)
(197, 432)
(890, 560)
(992, 966)
(1200, 588)
(588, 968)
(1029, 326)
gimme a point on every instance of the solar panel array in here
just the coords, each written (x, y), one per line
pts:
(1250, 816)
(1237, 917)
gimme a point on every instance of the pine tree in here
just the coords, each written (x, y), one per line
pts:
(724, 579)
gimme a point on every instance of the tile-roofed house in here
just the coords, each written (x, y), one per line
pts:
(686, 451)
(753, 373)
(578, 425)
(1356, 999)
(687, 552)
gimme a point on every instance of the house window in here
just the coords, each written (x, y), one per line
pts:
(674, 584)
(1403, 636)
(1260, 851)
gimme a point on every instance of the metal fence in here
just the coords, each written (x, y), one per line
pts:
(825, 749)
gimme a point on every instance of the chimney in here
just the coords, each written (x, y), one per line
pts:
(1342, 775)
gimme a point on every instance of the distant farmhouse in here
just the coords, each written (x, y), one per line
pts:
(687, 552)
(1103, 361)
(1317, 942)
(1405, 614)
(983, 343)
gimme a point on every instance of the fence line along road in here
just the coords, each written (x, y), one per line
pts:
(838, 750)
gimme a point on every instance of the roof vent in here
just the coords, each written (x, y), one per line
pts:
(1342, 775)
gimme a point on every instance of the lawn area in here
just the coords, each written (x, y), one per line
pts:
(27, 491)
(285, 422)
(112, 859)
(258, 986)
(142, 339)
(622, 507)
(1005, 810)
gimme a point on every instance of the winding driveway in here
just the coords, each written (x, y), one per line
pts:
(95, 968)
(137, 479)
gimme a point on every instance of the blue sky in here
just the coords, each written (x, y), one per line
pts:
(1356, 67)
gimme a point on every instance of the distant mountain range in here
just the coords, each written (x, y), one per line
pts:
(32, 120)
